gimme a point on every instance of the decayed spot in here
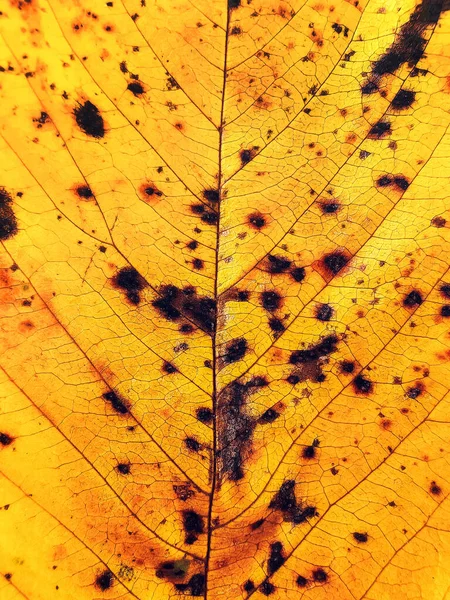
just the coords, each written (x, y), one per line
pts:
(334, 262)
(256, 220)
(301, 581)
(104, 581)
(205, 415)
(5, 439)
(380, 130)
(131, 282)
(292, 510)
(89, 119)
(193, 525)
(8, 221)
(361, 538)
(210, 217)
(270, 300)
(276, 558)
(403, 99)
(211, 195)
(309, 452)
(309, 362)
(277, 264)
(117, 402)
(319, 575)
(362, 385)
(324, 312)
(247, 154)
(235, 350)
(195, 586)
(84, 191)
(136, 88)
(267, 588)
(413, 299)
(175, 303)
(173, 569)
(124, 468)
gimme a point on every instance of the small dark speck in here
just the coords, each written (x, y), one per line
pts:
(123, 468)
(435, 489)
(360, 537)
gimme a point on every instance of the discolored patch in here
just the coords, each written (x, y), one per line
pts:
(277, 264)
(104, 581)
(193, 525)
(5, 439)
(235, 350)
(362, 385)
(267, 588)
(347, 366)
(309, 362)
(292, 510)
(211, 195)
(174, 303)
(276, 557)
(89, 119)
(298, 274)
(248, 154)
(413, 299)
(183, 491)
(195, 586)
(8, 221)
(334, 262)
(205, 415)
(435, 489)
(131, 282)
(117, 402)
(124, 468)
(269, 416)
(323, 312)
(403, 99)
(270, 300)
(309, 452)
(380, 130)
(136, 88)
(249, 586)
(319, 575)
(209, 217)
(276, 326)
(84, 191)
(173, 570)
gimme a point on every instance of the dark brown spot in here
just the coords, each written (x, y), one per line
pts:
(192, 444)
(89, 119)
(435, 489)
(123, 468)
(257, 524)
(195, 585)
(130, 281)
(403, 99)
(256, 220)
(335, 262)
(347, 366)
(235, 350)
(193, 525)
(413, 299)
(319, 575)
(362, 385)
(309, 452)
(298, 274)
(5, 439)
(380, 130)
(276, 557)
(445, 310)
(270, 300)
(104, 581)
(276, 325)
(360, 537)
(117, 402)
(169, 368)
(83, 191)
(249, 586)
(205, 415)
(267, 588)
(286, 502)
(302, 581)
(136, 88)
(324, 312)
(211, 195)
(246, 155)
(277, 264)
(8, 221)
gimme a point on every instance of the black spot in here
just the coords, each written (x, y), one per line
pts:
(42, 119)
(5, 439)
(258, 381)
(414, 392)
(435, 489)
(242, 296)
(384, 181)
(186, 328)
(8, 221)
(286, 502)
(136, 88)
(324, 312)
(445, 310)
(276, 325)
(360, 537)
(302, 581)
(195, 585)
(165, 304)
(298, 274)
(276, 558)
(123, 468)
(257, 220)
(401, 182)
(267, 588)
(236, 30)
(293, 379)
(233, 4)
(315, 352)
(380, 130)
(278, 264)
(257, 524)
(209, 217)
(193, 525)
(89, 119)
(329, 207)
(370, 87)
(270, 300)
(123, 67)
(84, 191)
(193, 245)
(118, 403)
(246, 155)
(347, 366)
(249, 586)
(129, 280)
(174, 302)
(104, 581)
(169, 368)
(235, 350)
(198, 264)
(205, 415)
(403, 99)
(319, 575)
(192, 444)
(335, 262)
(362, 385)
(310, 451)
(269, 416)
(445, 290)
(413, 299)
(152, 191)
(211, 195)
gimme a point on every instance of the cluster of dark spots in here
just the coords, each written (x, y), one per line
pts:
(131, 282)
(8, 221)
(413, 299)
(258, 381)
(277, 264)
(257, 524)
(276, 326)
(205, 415)
(193, 525)
(136, 88)
(362, 385)
(84, 191)
(235, 430)
(192, 444)
(270, 300)
(324, 312)
(380, 130)
(267, 588)
(183, 491)
(117, 402)
(276, 557)
(172, 569)
(104, 581)
(256, 220)
(309, 452)
(151, 191)
(5, 439)
(269, 416)
(403, 99)
(123, 468)
(334, 262)
(445, 310)
(319, 575)
(361, 538)
(89, 119)
(286, 502)
(195, 586)
(169, 368)
(369, 87)
(347, 366)
(174, 302)
(249, 586)
(301, 581)
(329, 207)
(435, 489)
(246, 155)
(235, 350)
(42, 119)
(211, 195)
(209, 217)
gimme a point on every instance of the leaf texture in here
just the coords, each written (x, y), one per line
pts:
(225, 299)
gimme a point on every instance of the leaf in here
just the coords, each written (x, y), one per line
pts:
(225, 299)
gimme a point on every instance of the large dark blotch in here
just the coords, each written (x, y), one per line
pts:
(193, 525)
(195, 586)
(380, 130)
(117, 402)
(235, 350)
(334, 262)
(267, 588)
(276, 558)
(8, 221)
(174, 303)
(270, 300)
(403, 99)
(286, 502)
(131, 282)
(104, 581)
(309, 362)
(5, 439)
(89, 119)
(413, 299)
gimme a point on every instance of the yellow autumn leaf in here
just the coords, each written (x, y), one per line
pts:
(225, 299)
